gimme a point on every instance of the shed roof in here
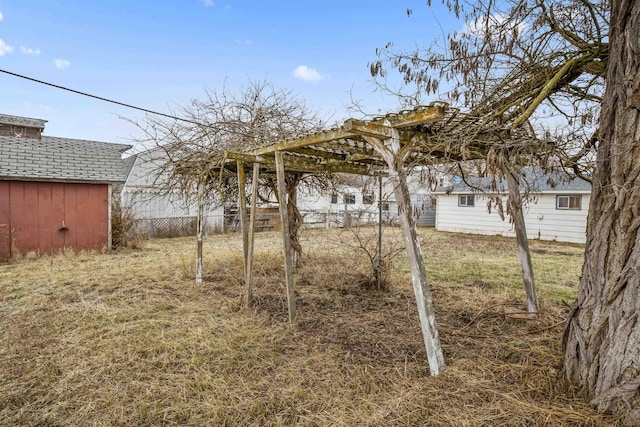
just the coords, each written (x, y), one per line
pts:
(61, 159)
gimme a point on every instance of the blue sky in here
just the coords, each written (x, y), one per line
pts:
(160, 54)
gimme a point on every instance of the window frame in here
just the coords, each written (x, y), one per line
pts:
(467, 198)
(368, 198)
(568, 198)
(349, 199)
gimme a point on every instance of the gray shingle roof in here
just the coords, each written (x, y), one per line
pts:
(128, 164)
(534, 180)
(22, 121)
(61, 159)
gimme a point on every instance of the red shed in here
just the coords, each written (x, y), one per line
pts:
(55, 193)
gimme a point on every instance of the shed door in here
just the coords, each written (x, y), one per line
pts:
(42, 217)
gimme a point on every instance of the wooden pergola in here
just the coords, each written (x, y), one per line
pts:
(384, 145)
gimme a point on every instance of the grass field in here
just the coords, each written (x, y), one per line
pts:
(128, 338)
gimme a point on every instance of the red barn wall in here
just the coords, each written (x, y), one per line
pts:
(32, 215)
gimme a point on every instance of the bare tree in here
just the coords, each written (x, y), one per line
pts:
(194, 149)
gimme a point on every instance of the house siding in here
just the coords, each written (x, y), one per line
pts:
(32, 215)
(142, 193)
(542, 219)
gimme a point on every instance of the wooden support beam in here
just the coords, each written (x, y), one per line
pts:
(301, 164)
(316, 152)
(360, 127)
(426, 314)
(242, 208)
(350, 148)
(424, 115)
(252, 226)
(284, 217)
(515, 210)
(199, 233)
(421, 289)
(316, 138)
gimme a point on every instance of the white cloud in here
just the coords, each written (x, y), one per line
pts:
(29, 51)
(245, 42)
(207, 3)
(307, 74)
(1, 16)
(5, 48)
(61, 63)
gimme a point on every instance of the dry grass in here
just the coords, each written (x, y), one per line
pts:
(129, 339)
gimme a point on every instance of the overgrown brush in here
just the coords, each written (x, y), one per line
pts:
(124, 230)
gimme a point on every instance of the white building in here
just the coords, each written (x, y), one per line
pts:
(556, 208)
(362, 203)
(159, 213)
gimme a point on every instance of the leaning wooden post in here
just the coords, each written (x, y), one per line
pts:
(252, 223)
(242, 207)
(284, 218)
(379, 266)
(199, 233)
(418, 273)
(393, 156)
(515, 211)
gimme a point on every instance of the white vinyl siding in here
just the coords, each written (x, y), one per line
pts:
(542, 219)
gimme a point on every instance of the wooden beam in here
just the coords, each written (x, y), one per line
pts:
(252, 226)
(314, 139)
(350, 148)
(421, 289)
(421, 116)
(242, 208)
(515, 205)
(199, 233)
(301, 164)
(360, 127)
(316, 152)
(286, 237)
(426, 314)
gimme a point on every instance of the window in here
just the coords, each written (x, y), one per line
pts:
(334, 198)
(466, 200)
(367, 198)
(569, 202)
(385, 206)
(349, 199)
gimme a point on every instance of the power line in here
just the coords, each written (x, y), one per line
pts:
(100, 98)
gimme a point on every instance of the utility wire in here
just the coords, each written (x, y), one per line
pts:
(100, 98)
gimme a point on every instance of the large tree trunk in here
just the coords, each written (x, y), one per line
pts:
(602, 337)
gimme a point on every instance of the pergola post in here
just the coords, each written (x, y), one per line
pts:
(394, 156)
(252, 222)
(515, 209)
(284, 218)
(199, 233)
(418, 273)
(379, 266)
(242, 208)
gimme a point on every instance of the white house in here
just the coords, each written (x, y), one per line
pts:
(362, 202)
(159, 213)
(556, 209)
